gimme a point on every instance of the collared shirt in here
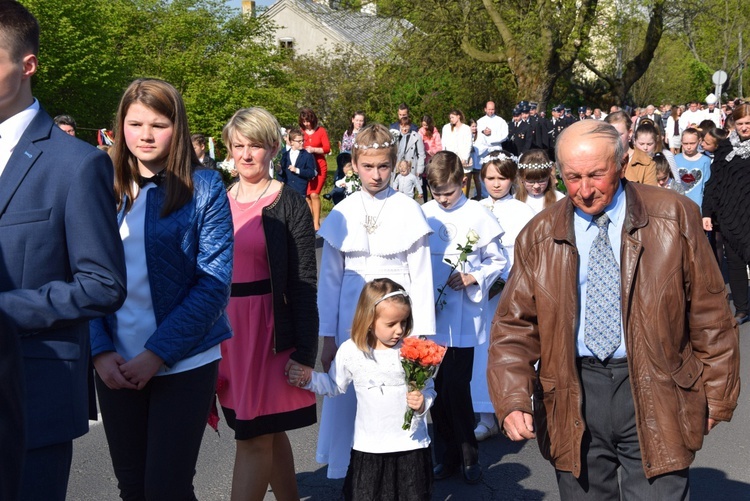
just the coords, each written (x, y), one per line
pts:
(11, 131)
(585, 232)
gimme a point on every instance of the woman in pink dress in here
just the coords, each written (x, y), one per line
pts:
(272, 311)
(317, 143)
(432, 145)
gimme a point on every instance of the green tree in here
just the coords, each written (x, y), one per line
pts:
(79, 72)
(622, 45)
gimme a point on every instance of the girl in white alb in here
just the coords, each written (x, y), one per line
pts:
(537, 182)
(387, 462)
(498, 173)
(376, 232)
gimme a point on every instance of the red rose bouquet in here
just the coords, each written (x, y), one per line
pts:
(420, 359)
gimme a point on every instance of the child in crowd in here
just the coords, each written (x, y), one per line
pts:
(648, 139)
(711, 139)
(406, 182)
(387, 462)
(499, 171)
(345, 186)
(467, 235)
(694, 168)
(297, 165)
(664, 175)
(376, 232)
(536, 186)
(411, 146)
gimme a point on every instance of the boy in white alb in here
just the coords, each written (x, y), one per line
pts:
(459, 314)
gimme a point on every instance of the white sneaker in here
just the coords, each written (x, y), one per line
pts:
(481, 432)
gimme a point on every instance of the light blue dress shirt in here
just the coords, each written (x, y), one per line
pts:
(585, 232)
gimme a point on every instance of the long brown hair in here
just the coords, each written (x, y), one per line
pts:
(164, 99)
(535, 166)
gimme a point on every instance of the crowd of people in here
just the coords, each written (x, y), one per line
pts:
(181, 291)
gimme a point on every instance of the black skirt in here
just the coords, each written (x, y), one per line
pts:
(393, 476)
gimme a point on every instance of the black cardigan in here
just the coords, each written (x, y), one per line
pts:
(290, 244)
(726, 199)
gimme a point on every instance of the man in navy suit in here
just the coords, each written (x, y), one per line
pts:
(61, 263)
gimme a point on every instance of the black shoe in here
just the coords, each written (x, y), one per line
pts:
(473, 473)
(741, 318)
(443, 471)
(327, 196)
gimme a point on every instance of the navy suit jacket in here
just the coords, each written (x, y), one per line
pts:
(61, 264)
(306, 165)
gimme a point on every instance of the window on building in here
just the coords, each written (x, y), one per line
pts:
(286, 43)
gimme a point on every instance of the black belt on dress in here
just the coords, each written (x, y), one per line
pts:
(257, 288)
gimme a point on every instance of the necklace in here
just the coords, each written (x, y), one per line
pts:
(371, 223)
(237, 194)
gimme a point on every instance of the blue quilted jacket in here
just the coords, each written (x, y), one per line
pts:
(189, 259)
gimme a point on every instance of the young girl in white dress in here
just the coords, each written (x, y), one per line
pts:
(536, 186)
(384, 455)
(373, 233)
(499, 171)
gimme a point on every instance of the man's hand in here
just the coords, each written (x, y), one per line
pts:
(141, 368)
(107, 365)
(487, 131)
(328, 352)
(707, 224)
(519, 425)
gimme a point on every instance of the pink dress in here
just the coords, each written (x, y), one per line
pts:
(252, 388)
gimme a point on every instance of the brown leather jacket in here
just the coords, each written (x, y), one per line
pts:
(680, 336)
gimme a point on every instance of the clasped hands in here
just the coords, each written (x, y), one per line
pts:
(297, 374)
(134, 374)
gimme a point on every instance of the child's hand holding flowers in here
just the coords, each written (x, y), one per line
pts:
(420, 359)
(459, 280)
(415, 401)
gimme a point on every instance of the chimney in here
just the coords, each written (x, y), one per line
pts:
(248, 8)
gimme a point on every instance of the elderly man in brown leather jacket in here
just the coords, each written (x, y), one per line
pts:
(635, 365)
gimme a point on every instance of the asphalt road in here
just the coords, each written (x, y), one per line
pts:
(512, 471)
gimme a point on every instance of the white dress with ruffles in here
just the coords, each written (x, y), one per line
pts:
(398, 249)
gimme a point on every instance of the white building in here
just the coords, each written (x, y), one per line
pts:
(306, 26)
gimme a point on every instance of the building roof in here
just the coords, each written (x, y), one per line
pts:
(371, 34)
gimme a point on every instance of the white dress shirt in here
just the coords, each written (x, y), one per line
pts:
(11, 131)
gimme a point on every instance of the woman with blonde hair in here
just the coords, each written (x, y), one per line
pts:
(272, 311)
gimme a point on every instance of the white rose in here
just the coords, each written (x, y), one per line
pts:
(472, 237)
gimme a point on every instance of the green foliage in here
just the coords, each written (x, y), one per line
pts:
(218, 60)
